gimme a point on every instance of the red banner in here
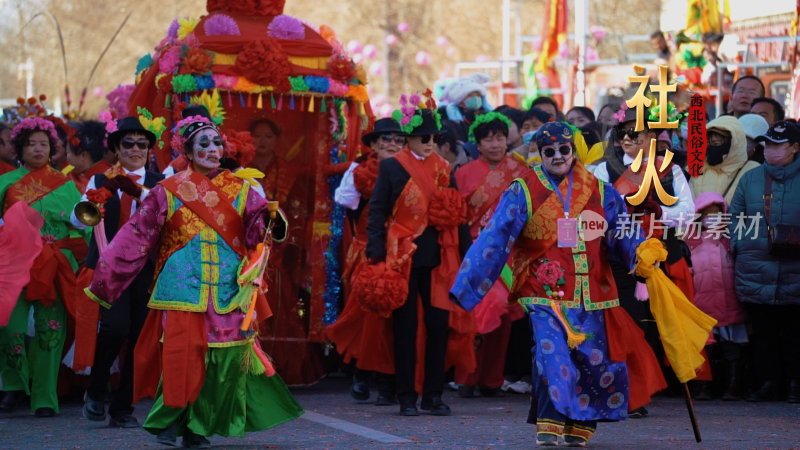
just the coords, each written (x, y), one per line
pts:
(696, 136)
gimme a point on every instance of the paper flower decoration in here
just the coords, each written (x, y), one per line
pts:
(286, 27)
(221, 25)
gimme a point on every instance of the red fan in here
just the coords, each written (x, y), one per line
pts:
(20, 244)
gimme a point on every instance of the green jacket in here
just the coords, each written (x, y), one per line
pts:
(759, 277)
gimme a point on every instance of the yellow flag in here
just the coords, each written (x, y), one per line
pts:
(683, 327)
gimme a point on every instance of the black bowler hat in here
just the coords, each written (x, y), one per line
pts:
(128, 125)
(429, 124)
(197, 110)
(381, 126)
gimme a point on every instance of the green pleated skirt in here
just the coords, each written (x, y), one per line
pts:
(231, 402)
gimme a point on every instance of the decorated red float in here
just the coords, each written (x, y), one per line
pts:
(253, 65)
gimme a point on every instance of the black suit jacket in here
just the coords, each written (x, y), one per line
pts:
(111, 217)
(392, 179)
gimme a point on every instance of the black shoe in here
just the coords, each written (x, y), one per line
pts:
(492, 392)
(45, 412)
(703, 391)
(466, 391)
(11, 399)
(408, 408)
(192, 440)
(733, 393)
(794, 392)
(386, 399)
(765, 394)
(436, 407)
(169, 436)
(94, 410)
(124, 421)
(574, 441)
(360, 389)
(638, 413)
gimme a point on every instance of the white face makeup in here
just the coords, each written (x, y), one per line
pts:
(206, 151)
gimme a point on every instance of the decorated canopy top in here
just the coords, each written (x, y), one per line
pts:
(250, 53)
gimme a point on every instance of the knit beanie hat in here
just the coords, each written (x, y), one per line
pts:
(754, 125)
(458, 90)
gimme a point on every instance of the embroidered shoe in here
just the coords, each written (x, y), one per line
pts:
(546, 439)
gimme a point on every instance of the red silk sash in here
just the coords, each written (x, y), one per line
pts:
(212, 201)
(52, 269)
(34, 186)
(492, 187)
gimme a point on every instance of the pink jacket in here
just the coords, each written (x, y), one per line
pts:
(712, 262)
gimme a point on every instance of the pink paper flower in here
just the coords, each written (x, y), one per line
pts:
(620, 115)
(549, 273)
(169, 60)
(219, 25)
(415, 100)
(404, 100)
(33, 123)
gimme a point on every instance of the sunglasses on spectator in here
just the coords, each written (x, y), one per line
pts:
(205, 142)
(620, 133)
(550, 152)
(436, 138)
(129, 143)
(399, 140)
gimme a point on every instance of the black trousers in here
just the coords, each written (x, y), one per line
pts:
(385, 381)
(775, 340)
(405, 340)
(123, 321)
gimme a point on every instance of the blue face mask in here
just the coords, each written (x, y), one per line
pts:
(473, 103)
(527, 138)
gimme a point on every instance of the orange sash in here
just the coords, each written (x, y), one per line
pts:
(492, 188)
(212, 201)
(34, 186)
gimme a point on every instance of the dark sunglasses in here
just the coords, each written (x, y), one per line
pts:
(205, 141)
(436, 138)
(129, 143)
(563, 149)
(399, 140)
(620, 133)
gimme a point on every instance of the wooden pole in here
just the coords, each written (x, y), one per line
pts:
(692, 417)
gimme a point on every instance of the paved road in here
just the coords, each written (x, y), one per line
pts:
(334, 420)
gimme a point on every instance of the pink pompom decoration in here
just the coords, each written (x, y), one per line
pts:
(442, 41)
(405, 121)
(221, 25)
(224, 81)
(118, 99)
(105, 116)
(169, 60)
(451, 52)
(376, 68)
(354, 46)
(337, 89)
(423, 58)
(414, 100)
(598, 32)
(358, 57)
(172, 32)
(391, 40)
(370, 51)
(481, 58)
(561, 294)
(403, 27)
(286, 27)
(98, 91)
(591, 54)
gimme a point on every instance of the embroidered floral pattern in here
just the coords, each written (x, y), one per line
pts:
(188, 191)
(211, 199)
(53, 324)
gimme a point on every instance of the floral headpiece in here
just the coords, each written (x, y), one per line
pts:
(620, 115)
(25, 109)
(33, 123)
(673, 113)
(409, 116)
(151, 124)
(68, 130)
(486, 118)
(186, 128)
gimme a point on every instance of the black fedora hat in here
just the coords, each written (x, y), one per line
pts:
(129, 125)
(429, 124)
(381, 126)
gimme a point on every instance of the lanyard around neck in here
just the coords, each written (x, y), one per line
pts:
(558, 191)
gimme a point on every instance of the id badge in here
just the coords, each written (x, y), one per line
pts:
(567, 232)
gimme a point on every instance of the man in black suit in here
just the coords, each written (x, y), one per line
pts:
(431, 175)
(127, 183)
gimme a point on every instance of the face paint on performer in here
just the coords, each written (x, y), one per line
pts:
(634, 141)
(206, 151)
(554, 160)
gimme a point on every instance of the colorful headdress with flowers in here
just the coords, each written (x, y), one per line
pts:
(409, 116)
(620, 115)
(34, 123)
(68, 130)
(673, 113)
(152, 124)
(25, 109)
(186, 128)
(486, 118)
